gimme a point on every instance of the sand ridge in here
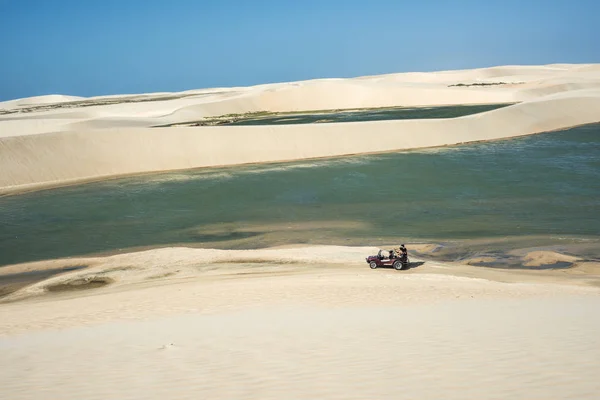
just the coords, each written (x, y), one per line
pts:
(255, 330)
(51, 146)
(177, 264)
(298, 322)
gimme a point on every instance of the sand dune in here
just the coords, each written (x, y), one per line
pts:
(38, 100)
(299, 321)
(496, 348)
(71, 156)
(287, 322)
(180, 263)
(54, 145)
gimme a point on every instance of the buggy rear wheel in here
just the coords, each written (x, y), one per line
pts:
(398, 265)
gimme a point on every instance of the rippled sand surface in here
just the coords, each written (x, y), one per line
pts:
(306, 331)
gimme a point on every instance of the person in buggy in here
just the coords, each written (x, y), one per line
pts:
(402, 252)
(397, 258)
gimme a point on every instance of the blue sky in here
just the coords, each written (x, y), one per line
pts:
(97, 47)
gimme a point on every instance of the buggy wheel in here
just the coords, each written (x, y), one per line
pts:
(398, 265)
(373, 264)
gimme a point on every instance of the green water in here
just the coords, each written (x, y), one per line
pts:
(370, 114)
(544, 186)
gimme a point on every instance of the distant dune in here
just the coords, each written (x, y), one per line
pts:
(53, 140)
(38, 100)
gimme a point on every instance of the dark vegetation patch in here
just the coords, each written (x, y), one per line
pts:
(339, 115)
(97, 102)
(485, 84)
(13, 282)
(91, 282)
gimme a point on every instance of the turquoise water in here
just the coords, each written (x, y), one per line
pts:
(543, 187)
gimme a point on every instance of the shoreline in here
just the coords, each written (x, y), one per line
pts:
(38, 187)
(65, 147)
(151, 266)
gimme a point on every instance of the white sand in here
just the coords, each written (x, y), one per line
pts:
(51, 147)
(299, 322)
(289, 323)
(38, 101)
